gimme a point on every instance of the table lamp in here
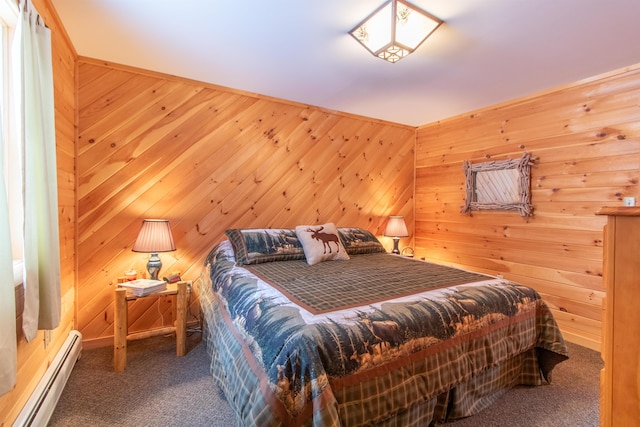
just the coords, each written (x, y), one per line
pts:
(154, 236)
(396, 228)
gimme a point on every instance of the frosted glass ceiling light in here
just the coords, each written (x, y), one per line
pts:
(395, 30)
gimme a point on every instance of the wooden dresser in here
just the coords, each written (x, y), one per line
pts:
(620, 377)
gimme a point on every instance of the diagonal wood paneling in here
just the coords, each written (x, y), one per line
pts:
(209, 158)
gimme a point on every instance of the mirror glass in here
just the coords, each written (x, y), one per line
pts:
(499, 186)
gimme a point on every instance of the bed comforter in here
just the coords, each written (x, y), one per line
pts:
(291, 345)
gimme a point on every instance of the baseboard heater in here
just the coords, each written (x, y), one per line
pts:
(43, 400)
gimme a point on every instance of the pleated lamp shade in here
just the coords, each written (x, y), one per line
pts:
(396, 227)
(154, 236)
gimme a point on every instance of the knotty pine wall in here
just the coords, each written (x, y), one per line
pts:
(587, 140)
(209, 158)
(34, 357)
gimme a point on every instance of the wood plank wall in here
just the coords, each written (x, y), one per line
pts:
(35, 357)
(209, 158)
(587, 140)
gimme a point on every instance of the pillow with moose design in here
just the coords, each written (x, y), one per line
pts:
(321, 243)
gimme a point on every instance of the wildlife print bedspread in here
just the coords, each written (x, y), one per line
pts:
(358, 363)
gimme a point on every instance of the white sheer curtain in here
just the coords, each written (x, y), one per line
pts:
(8, 343)
(28, 190)
(36, 135)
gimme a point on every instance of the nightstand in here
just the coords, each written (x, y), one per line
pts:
(121, 315)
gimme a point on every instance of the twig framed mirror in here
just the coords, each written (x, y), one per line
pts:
(499, 185)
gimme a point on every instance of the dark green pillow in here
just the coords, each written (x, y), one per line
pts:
(258, 245)
(360, 241)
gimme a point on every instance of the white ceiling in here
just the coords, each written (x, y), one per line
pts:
(486, 52)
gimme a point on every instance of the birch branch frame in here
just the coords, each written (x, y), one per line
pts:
(496, 197)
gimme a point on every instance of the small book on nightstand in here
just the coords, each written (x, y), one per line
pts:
(142, 287)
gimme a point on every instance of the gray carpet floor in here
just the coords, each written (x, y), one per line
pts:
(156, 389)
(571, 400)
(160, 389)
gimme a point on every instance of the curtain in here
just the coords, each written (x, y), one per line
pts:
(8, 340)
(36, 134)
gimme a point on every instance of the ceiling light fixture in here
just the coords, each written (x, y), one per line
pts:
(395, 30)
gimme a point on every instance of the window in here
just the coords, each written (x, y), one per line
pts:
(8, 342)
(8, 18)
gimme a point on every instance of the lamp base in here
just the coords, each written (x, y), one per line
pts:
(153, 266)
(396, 241)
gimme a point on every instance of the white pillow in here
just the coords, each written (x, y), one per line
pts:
(321, 243)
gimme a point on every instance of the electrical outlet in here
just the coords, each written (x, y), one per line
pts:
(47, 338)
(629, 201)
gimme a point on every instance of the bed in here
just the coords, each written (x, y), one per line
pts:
(306, 330)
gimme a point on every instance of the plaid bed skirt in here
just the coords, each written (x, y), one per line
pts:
(445, 380)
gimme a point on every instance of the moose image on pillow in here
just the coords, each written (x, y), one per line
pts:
(321, 243)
